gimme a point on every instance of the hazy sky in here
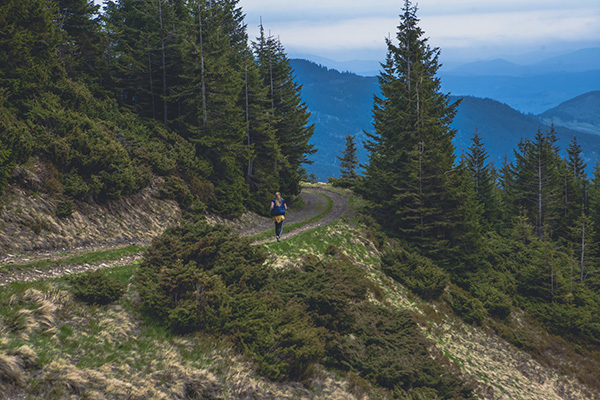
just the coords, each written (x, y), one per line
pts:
(465, 30)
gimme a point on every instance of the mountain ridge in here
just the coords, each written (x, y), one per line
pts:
(341, 104)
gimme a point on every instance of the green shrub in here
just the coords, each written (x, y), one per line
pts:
(202, 278)
(96, 287)
(496, 302)
(420, 274)
(64, 209)
(191, 258)
(387, 348)
(175, 188)
(471, 309)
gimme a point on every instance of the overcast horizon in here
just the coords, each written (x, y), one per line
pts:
(466, 30)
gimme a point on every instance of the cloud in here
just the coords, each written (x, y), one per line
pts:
(518, 28)
(321, 33)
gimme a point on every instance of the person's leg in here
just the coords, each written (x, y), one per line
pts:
(278, 229)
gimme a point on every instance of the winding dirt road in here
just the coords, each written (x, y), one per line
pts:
(315, 203)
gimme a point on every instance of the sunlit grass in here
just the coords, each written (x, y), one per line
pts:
(321, 241)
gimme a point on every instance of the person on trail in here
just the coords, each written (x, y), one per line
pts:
(278, 208)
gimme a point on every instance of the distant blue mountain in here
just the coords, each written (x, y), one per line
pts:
(530, 88)
(529, 94)
(579, 61)
(581, 113)
(341, 104)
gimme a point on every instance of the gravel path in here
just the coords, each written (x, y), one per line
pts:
(314, 204)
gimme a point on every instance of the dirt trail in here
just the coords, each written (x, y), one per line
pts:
(314, 204)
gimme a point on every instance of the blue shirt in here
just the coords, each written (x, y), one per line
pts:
(278, 210)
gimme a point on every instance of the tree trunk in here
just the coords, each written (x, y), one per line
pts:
(202, 71)
(582, 257)
(151, 81)
(250, 160)
(164, 64)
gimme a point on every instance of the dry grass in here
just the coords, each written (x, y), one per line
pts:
(11, 368)
(107, 353)
(499, 369)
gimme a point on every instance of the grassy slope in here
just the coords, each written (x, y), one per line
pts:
(53, 345)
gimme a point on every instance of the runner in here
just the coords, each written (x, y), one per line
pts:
(278, 208)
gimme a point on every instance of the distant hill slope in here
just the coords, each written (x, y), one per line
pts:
(531, 88)
(528, 94)
(342, 103)
(502, 128)
(581, 113)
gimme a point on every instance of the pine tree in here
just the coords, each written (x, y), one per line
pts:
(576, 181)
(593, 203)
(348, 160)
(221, 134)
(411, 154)
(482, 178)
(538, 183)
(81, 49)
(290, 114)
(261, 141)
(29, 39)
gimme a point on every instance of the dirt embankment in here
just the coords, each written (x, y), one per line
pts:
(30, 227)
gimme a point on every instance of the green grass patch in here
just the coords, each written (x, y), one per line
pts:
(325, 240)
(93, 257)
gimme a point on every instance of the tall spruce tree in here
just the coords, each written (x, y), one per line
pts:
(261, 141)
(411, 154)
(221, 134)
(81, 50)
(481, 178)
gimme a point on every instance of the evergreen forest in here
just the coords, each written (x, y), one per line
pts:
(173, 94)
(171, 89)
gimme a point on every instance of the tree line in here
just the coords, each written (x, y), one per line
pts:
(150, 88)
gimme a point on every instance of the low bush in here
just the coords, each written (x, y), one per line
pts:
(204, 278)
(96, 287)
(420, 274)
(470, 308)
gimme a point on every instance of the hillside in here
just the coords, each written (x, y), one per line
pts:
(581, 113)
(139, 152)
(114, 350)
